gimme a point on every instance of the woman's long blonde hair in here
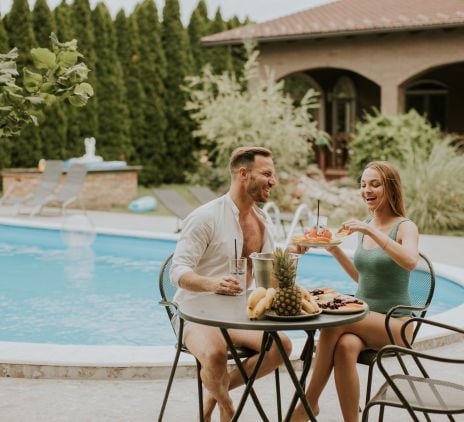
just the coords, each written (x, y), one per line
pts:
(391, 181)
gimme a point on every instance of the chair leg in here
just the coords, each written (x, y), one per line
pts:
(200, 391)
(381, 412)
(279, 400)
(369, 381)
(168, 387)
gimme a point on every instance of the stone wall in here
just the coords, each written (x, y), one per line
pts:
(102, 189)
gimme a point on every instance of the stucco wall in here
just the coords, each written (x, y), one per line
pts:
(387, 60)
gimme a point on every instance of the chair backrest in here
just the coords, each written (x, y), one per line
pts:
(167, 289)
(73, 183)
(202, 194)
(174, 202)
(421, 287)
(49, 180)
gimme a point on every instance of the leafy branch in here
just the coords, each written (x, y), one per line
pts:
(57, 75)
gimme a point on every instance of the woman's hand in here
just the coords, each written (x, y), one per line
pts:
(354, 225)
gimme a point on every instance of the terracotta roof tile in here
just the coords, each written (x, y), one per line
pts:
(350, 16)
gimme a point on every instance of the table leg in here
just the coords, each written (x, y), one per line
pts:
(265, 345)
(294, 378)
(307, 357)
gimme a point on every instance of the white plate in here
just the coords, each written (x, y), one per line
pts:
(333, 242)
(271, 314)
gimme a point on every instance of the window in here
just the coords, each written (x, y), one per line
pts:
(343, 106)
(428, 98)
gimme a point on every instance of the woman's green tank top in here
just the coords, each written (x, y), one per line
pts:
(382, 283)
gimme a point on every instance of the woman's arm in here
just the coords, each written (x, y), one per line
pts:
(344, 261)
(404, 251)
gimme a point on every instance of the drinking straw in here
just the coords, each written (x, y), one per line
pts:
(317, 218)
(236, 256)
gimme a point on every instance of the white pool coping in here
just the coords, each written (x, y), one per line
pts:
(160, 356)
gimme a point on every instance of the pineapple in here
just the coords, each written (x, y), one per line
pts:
(288, 297)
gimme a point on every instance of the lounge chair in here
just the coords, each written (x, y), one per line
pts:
(69, 191)
(47, 184)
(174, 203)
(202, 194)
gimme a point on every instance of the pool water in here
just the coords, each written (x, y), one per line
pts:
(108, 293)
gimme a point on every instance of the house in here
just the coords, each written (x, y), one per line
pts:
(393, 55)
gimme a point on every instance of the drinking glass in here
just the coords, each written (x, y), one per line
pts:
(238, 268)
(322, 222)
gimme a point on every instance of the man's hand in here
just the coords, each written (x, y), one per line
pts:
(228, 285)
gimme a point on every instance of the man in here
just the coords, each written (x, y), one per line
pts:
(200, 266)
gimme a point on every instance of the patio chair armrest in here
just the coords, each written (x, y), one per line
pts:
(394, 349)
(390, 313)
(168, 303)
(419, 320)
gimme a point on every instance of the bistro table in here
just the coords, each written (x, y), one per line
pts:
(226, 312)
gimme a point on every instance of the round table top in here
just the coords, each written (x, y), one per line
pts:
(230, 312)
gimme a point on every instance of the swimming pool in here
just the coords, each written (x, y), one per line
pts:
(108, 294)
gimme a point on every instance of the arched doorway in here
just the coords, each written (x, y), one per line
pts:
(429, 98)
(297, 84)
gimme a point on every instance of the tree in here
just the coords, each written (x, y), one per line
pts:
(43, 23)
(53, 128)
(63, 16)
(85, 121)
(4, 47)
(198, 28)
(230, 114)
(27, 150)
(113, 114)
(128, 49)
(179, 141)
(219, 57)
(152, 74)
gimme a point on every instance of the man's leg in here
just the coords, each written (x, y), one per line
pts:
(209, 347)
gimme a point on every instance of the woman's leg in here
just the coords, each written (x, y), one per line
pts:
(323, 365)
(346, 376)
(371, 331)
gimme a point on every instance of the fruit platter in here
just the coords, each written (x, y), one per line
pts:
(288, 301)
(332, 302)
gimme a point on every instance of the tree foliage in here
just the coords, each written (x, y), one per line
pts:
(56, 74)
(152, 74)
(232, 112)
(113, 130)
(179, 140)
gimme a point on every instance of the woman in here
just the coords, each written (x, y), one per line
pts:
(387, 251)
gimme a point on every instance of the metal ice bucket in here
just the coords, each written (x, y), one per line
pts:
(263, 269)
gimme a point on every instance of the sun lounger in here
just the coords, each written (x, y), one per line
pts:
(174, 203)
(48, 183)
(202, 194)
(69, 191)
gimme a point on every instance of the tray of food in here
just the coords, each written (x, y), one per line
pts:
(332, 302)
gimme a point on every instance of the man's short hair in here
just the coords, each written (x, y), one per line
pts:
(245, 157)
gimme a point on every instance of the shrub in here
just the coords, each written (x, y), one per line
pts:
(434, 187)
(383, 137)
(232, 111)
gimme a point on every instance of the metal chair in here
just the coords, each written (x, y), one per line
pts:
(417, 393)
(421, 288)
(167, 291)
